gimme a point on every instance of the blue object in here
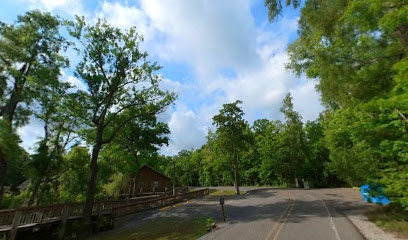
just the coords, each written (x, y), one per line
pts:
(373, 193)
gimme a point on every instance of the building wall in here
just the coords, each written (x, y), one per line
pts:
(145, 180)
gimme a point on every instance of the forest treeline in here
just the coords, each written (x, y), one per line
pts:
(95, 137)
(357, 52)
(267, 153)
(116, 110)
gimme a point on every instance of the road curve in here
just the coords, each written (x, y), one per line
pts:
(284, 214)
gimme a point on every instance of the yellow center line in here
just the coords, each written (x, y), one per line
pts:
(281, 222)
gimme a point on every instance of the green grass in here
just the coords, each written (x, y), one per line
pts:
(215, 192)
(391, 219)
(166, 228)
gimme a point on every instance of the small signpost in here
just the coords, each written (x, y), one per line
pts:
(222, 207)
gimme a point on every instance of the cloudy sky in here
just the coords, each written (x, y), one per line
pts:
(212, 52)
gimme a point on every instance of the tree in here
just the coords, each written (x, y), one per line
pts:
(275, 7)
(357, 49)
(29, 60)
(352, 50)
(317, 155)
(122, 87)
(268, 144)
(231, 137)
(55, 108)
(140, 139)
(74, 174)
(293, 142)
(10, 150)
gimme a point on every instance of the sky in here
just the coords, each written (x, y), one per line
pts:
(212, 52)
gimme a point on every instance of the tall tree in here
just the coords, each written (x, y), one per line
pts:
(358, 50)
(293, 142)
(317, 155)
(140, 139)
(268, 144)
(352, 50)
(10, 150)
(122, 87)
(55, 109)
(231, 137)
(29, 60)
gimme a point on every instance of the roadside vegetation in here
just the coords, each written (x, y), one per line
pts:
(390, 218)
(215, 192)
(166, 228)
(96, 136)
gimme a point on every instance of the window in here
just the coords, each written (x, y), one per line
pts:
(156, 184)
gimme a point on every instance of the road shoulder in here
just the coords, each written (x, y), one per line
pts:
(368, 229)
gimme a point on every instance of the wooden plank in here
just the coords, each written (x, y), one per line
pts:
(14, 225)
(64, 218)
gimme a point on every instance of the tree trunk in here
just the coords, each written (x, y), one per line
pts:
(236, 183)
(9, 109)
(87, 212)
(35, 191)
(3, 170)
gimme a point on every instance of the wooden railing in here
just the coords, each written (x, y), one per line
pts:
(198, 193)
(13, 219)
(142, 206)
(27, 216)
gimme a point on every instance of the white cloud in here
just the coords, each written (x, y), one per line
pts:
(125, 16)
(31, 133)
(209, 34)
(231, 57)
(63, 7)
(187, 131)
(306, 100)
(75, 82)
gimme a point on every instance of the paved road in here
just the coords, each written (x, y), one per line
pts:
(286, 214)
(268, 214)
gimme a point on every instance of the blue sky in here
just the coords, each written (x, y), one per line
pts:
(212, 52)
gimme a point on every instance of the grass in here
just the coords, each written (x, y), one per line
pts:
(391, 219)
(167, 228)
(215, 192)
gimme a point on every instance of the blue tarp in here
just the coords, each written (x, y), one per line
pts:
(373, 193)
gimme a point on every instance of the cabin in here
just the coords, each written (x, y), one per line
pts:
(149, 180)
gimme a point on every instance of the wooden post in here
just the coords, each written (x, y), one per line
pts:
(64, 217)
(222, 201)
(14, 225)
(174, 177)
(223, 213)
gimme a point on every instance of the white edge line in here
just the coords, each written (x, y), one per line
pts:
(331, 221)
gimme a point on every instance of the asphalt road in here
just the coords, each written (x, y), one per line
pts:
(283, 214)
(268, 214)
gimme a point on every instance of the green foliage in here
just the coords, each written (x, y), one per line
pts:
(316, 164)
(13, 201)
(270, 153)
(358, 51)
(29, 61)
(231, 136)
(138, 143)
(391, 218)
(12, 159)
(74, 176)
(275, 7)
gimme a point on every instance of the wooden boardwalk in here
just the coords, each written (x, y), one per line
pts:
(11, 220)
